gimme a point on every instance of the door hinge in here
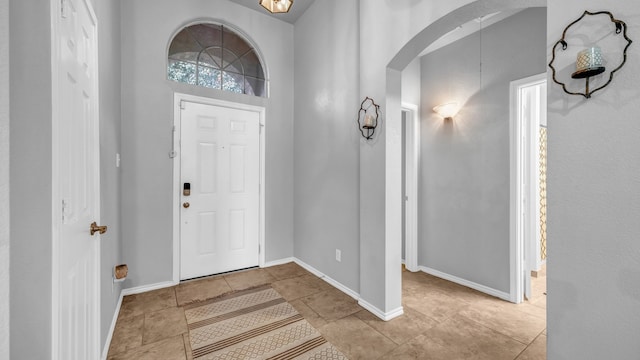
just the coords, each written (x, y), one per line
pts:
(182, 105)
(259, 249)
(65, 210)
(173, 153)
(63, 9)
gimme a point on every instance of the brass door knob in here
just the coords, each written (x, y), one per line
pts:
(94, 228)
(186, 205)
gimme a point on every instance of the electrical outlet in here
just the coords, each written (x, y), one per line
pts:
(338, 255)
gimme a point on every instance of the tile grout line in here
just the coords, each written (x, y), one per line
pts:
(187, 337)
(499, 332)
(528, 346)
(374, 329)
(430, 317)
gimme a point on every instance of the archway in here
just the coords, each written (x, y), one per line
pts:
(393, 124)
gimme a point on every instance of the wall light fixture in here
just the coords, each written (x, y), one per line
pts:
(447, 111)
(368, 117)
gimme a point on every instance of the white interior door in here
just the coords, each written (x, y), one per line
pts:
(219, 189)
(76, 178)
(410, 201)
(532, 109)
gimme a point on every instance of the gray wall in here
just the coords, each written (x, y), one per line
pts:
(108, 14)
(30, 179)
(373, 250)
(464, 175)
(326, 140)
(4, 179)
(147, 119)
(593, 181)
(411, 83)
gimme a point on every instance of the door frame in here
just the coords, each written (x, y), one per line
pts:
(56, 201)
(412, 168)
(518, 248)
(178, 98)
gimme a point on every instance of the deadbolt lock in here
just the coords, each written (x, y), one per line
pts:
(186, 205)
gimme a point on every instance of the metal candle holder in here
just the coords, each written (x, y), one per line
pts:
(621, 27)
(367, 122)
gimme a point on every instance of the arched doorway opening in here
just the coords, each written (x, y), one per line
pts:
(399, 62)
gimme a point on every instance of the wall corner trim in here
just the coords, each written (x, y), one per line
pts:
(470, 284)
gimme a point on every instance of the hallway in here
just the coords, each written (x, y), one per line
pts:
(442, 320)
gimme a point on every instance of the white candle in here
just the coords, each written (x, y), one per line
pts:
(589, 59)
(368, 121)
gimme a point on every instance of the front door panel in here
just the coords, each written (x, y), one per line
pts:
(220, 162)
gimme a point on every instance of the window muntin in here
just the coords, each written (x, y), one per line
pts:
(214, 56)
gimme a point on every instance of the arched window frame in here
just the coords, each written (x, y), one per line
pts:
(241, 35)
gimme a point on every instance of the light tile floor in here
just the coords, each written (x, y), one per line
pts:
(441, 320)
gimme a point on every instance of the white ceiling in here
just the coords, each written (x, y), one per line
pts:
(297, 9)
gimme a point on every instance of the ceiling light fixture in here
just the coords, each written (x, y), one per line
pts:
(277, 6)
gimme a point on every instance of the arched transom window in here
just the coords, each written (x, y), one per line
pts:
(214, 56)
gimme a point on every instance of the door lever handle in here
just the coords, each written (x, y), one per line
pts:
(94, 228)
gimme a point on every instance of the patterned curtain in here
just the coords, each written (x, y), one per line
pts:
(543, 193)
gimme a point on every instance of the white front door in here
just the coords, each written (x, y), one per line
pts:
(76, 253)
(219, 189)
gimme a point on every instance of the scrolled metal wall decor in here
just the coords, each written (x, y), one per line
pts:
(367, 121)
(620, 27)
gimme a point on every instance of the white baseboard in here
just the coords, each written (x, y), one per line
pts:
(150, 287)
(326, 278)
(470, 284)
(386, 316)
(123, 293)
(278, 262)
(112, 328)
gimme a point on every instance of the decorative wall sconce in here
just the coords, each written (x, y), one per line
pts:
(368, 117)
(277, 6)
(590, 61)
(447, 111)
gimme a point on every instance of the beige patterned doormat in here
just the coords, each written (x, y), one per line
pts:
(253, 324)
